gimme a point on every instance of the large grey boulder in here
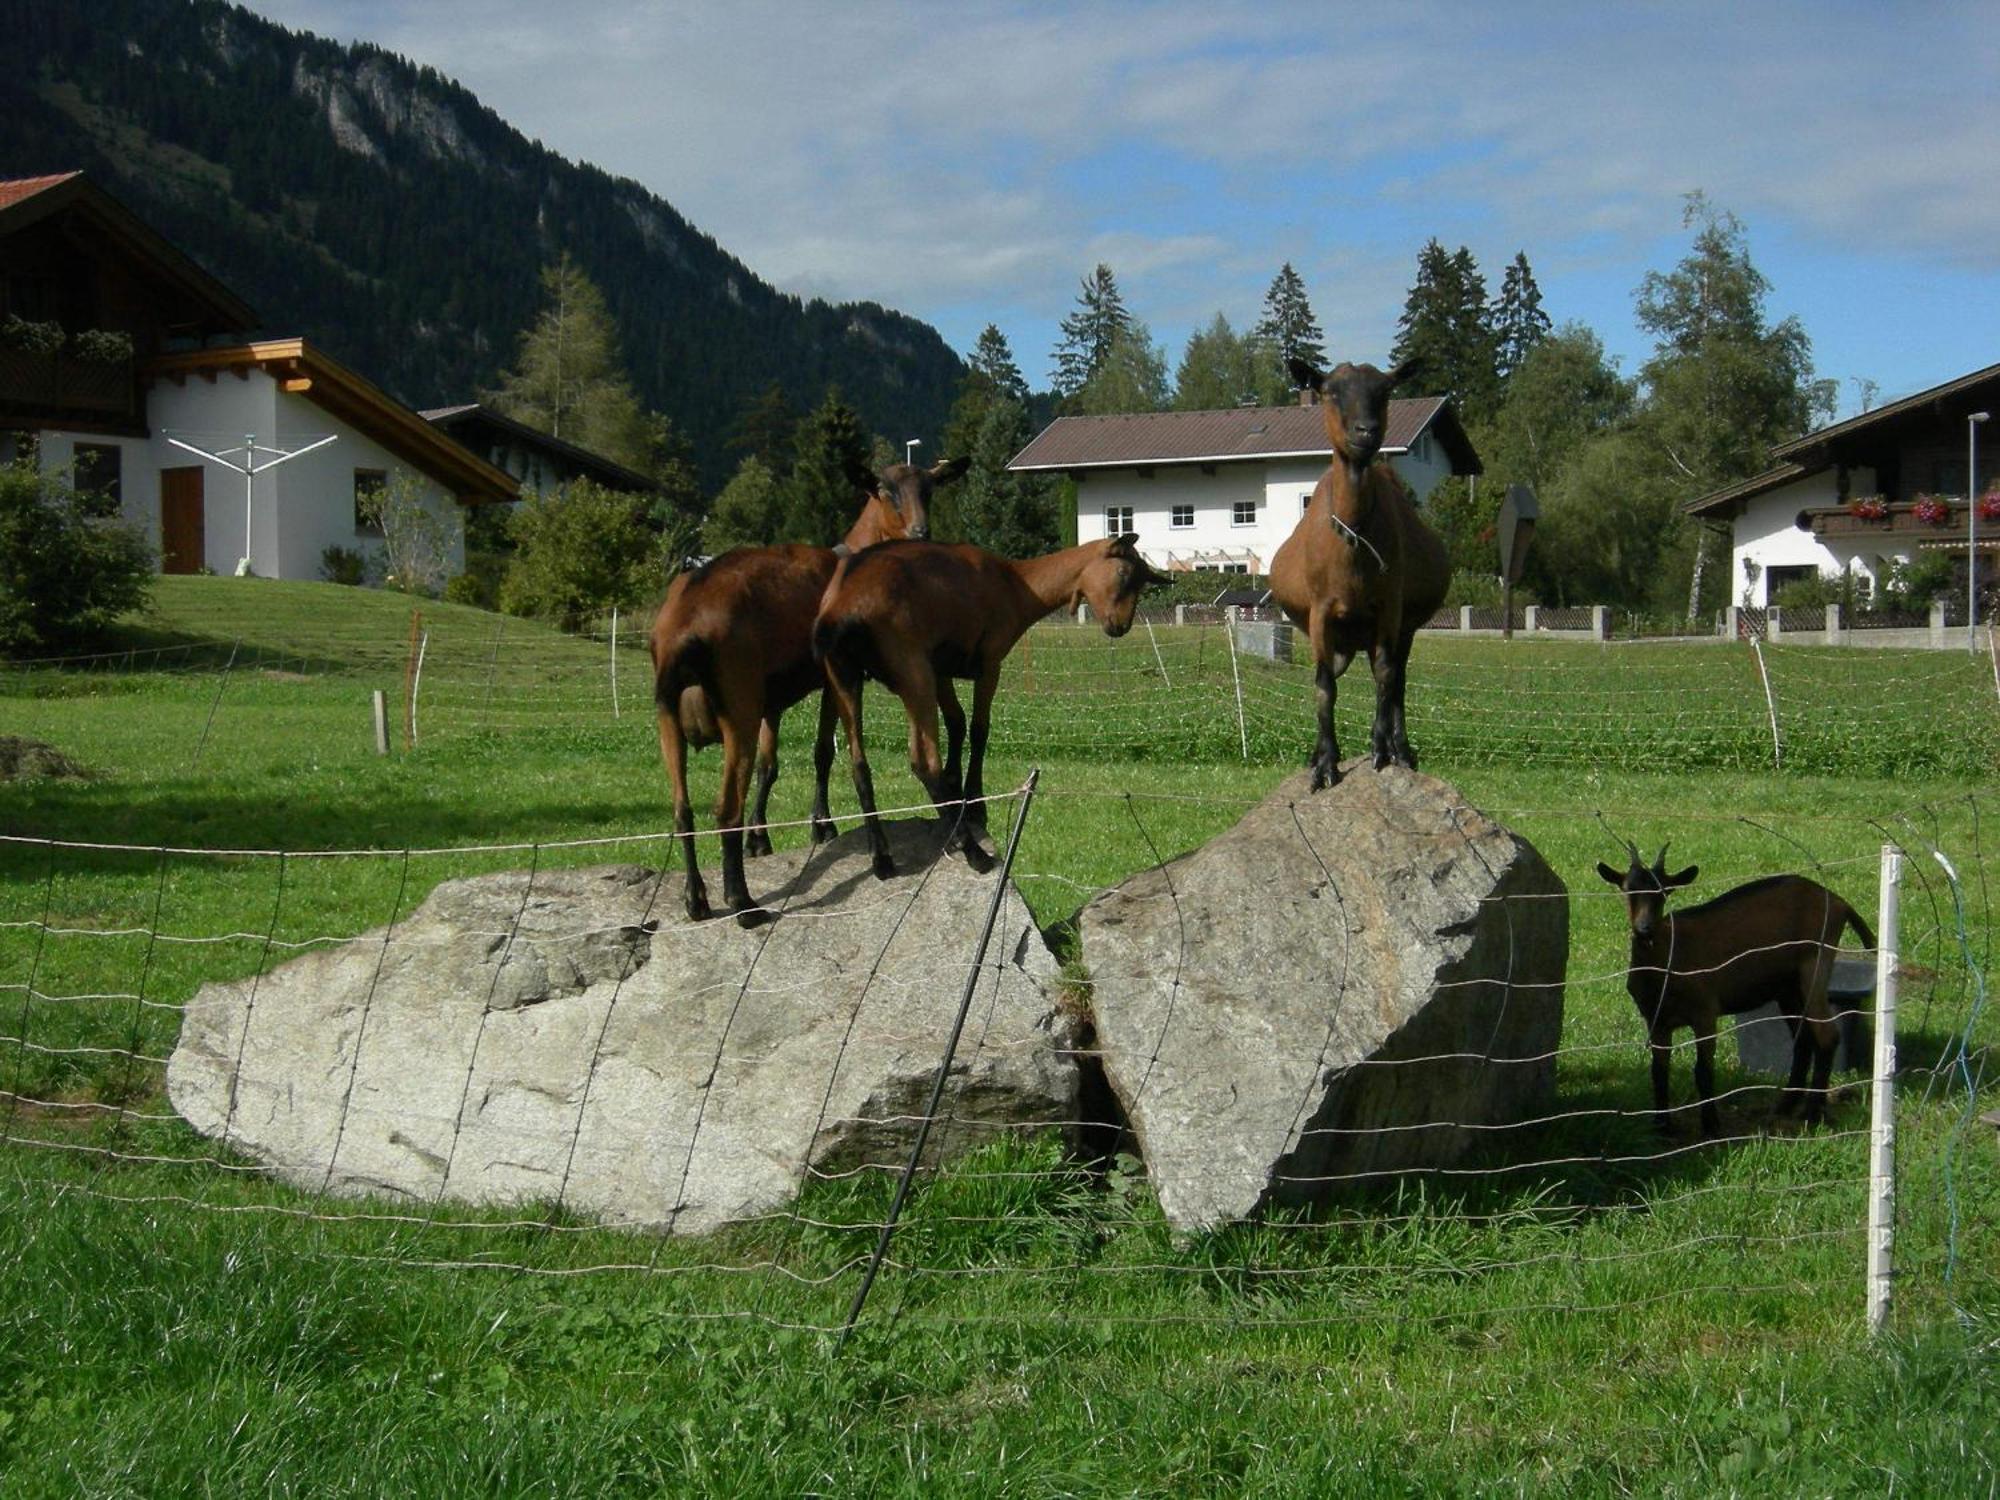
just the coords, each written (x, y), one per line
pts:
(1345, 984)
(573, 1040)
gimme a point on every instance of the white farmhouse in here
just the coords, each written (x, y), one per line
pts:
(1221, 490)
(119, 357)
(1887, 486)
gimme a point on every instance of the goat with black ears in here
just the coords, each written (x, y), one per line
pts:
(1772, 939)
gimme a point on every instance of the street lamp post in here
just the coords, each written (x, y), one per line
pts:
(910, 447)
(1972, 526)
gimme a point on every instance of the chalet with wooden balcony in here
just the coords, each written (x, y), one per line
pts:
(1908, 479)
(128, 367)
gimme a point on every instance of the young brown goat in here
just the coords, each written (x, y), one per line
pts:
(915, 615)
(732, 650)
(1361, 571)
(1772, 939)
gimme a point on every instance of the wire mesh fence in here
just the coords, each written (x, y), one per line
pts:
(431, 1155)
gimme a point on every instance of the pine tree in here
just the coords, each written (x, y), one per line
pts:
(994, 360)
(1221, 368)
(1444, 330)
(1132, 377)
(1517, 319)
(1011, 514)
(1288, 326)
(1089, 333)
(764, 429)
(831, 473)
(568, 380)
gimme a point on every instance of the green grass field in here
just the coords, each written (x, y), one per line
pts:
(1586, 1315)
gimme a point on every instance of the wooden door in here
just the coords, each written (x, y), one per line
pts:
(182, 536)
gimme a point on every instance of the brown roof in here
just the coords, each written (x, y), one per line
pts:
(1228, 436)
(14, 191)
(466, 420)
(25, 201)
(1729, 500)
(325, 381)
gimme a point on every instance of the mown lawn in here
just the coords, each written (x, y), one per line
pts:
(1585, 1313)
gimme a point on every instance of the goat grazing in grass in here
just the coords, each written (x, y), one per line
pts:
(732, 650)
(1361, 571)
(915, 615)
(1773, 939)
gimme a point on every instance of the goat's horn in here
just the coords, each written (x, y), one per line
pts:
(1661, 862)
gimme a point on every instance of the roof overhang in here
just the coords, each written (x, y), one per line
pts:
(36, 199)
(1316, 455)
(319, 378)
(476, 414)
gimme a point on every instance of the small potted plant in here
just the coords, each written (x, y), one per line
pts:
(1868, 508)
(1931, 510)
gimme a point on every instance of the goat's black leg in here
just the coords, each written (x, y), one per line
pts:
(1704, 1077)
(735, 891)
(1325, 760)
(757, 833)
(845, 685)
(1663, 1052)
(823, 827)
(1801, 1056)
(1401, 752)
(1387, 738)
(673, 751)
(1825, 1040)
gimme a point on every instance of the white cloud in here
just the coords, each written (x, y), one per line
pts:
(983, 156)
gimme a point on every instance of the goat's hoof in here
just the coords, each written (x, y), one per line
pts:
(824, 831)
(1325, 774)
(977, 857)
(757, 845)
(885, 867)
(698, 909)
(752, 917)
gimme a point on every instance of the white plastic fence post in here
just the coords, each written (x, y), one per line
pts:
(381, 704)
(1156, 653)
(1236, 678)
(614, 661)
(1882, 1131)
(1770, 703)
(417, 682)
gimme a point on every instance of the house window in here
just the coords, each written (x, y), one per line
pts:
(367, 482)
(1181, 518)
(1117, 520)
(100, 478)
(1243, 513)
(1305, 502)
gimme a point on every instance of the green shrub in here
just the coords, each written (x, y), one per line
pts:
(63, 575)
(467, 588)
(102, 346)
(1916, 585)
(416, 539)
(582, 549)
(343, 565)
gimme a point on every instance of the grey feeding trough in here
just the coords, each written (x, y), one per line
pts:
(1764, 1041)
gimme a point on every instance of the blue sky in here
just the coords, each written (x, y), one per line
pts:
(970, 163)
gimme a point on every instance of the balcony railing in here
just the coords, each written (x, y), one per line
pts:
(60, 385)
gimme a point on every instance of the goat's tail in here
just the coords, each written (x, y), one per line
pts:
(1849, 917)
(842, 645)
(690, 662)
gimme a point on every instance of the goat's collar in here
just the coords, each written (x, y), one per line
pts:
(841, 549)
(1355, 538)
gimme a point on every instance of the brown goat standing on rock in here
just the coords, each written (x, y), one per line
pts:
(732, 650)
(1772, 939)
(1361, 571)
(917, 614)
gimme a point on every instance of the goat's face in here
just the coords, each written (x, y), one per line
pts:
(1113, 581)
(1355, 401)
(902, 497)
(1646, 889)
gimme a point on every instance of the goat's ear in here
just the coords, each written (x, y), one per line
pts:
(947, 469)
(1685, 877)
(1611, 876)
(1304, 376)
(1126, 543)
(1403, 372)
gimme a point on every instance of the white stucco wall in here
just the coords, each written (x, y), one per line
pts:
(1767, 533)
(298, 509)
(1279, 486)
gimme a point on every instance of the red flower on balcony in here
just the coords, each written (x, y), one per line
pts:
(1989, 505)
(1931, 510)
(1868, 508)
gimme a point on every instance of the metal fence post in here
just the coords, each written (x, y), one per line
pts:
(1882, 1125)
